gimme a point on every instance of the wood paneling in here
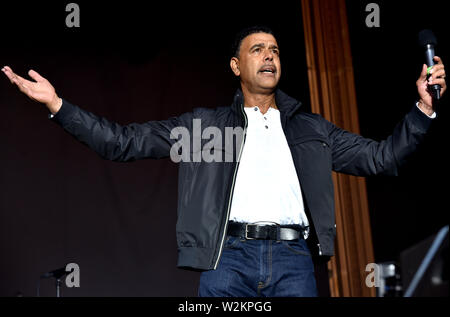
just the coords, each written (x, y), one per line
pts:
(332, 90)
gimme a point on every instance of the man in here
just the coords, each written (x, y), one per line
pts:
(252, 223)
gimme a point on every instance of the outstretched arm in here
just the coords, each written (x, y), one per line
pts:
(108, 139)
(353, 154)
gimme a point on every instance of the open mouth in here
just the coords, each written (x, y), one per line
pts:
(268, 69)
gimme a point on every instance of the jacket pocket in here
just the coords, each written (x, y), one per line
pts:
(310, 138)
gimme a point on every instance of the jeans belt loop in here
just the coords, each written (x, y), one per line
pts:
(278, 228)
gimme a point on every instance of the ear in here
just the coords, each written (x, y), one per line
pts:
(234, 64)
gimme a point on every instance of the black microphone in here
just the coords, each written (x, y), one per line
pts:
(428, 41)
(58, 273)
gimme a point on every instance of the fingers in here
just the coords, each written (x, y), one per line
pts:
(440, 82)
(15, 79)
(437, 81)
(436, 67)
(9, 73)
(33, 74)
(437, 59)
(24, 85)
(437, 75)
(7, 68)
(21, 81)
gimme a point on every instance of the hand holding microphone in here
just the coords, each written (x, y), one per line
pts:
(431, 84)
(428, 41)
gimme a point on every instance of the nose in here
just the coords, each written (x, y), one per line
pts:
(268, 56)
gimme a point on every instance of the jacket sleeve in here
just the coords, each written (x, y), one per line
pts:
(116, 142)
(356, 155)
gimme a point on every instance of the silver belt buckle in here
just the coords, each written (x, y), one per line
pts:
(246, 231)
(266, 223)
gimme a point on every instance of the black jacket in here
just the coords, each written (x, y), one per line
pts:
(205, 189)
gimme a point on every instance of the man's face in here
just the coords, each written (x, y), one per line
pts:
(258, 64)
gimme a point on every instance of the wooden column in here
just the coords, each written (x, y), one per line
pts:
(332, 90)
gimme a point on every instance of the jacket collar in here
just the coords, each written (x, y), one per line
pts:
(286, 104)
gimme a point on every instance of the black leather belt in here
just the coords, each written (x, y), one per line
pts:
(252, 231)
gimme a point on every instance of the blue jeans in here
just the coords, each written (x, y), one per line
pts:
(250, 268)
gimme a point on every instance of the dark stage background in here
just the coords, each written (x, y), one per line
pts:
(134, 62)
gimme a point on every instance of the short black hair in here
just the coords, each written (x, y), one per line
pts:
(242, 34)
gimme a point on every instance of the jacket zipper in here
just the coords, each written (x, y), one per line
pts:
(232, 189)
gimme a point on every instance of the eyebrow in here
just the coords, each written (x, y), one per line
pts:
(263, 45)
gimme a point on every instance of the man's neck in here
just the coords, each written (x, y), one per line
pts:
(261, 100)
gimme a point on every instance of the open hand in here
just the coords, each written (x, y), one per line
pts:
(39, 90)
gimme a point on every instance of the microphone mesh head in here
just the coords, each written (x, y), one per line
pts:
(426, 37)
